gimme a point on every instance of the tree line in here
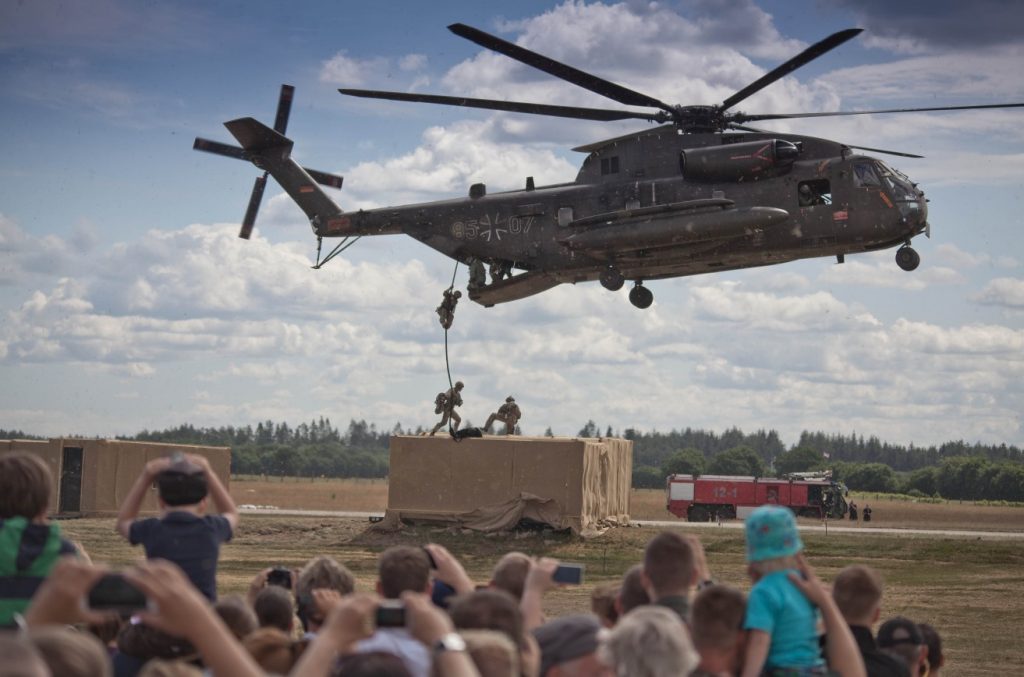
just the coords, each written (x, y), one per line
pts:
(953, 470)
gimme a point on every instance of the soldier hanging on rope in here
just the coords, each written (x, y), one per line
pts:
(508, 413)
(445, 404)
(446, 311)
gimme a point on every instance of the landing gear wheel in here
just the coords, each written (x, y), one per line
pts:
(640, 296)
(697, 514)
(907, 258)
(611, 279)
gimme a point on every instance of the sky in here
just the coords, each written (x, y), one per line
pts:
(127, 301)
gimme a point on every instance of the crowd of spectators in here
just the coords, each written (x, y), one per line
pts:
(425, 617)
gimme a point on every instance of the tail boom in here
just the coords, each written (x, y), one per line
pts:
(271, 152)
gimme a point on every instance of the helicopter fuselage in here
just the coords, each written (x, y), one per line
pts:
(660, 204)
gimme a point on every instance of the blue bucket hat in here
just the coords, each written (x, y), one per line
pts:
(771, 532)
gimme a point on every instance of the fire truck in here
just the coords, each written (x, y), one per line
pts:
(712, 497)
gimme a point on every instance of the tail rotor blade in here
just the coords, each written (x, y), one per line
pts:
(254, 206)
(284, 108)
(218, 148)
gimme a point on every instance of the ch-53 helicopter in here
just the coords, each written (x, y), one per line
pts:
(700, 193)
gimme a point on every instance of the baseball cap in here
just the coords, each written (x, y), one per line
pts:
(565, 639)
(771, 532)
(899, 630)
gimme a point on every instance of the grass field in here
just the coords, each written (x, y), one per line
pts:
(971, 590)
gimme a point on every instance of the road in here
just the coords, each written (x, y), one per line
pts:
(673, 524)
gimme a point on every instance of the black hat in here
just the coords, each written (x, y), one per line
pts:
(899, 630)
(183, 483)
(565, 639)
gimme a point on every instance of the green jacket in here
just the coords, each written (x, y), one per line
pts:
(28, 553)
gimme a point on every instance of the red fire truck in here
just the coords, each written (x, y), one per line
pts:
(708, 497)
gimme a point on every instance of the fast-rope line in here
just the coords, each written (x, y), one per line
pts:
(447, 366)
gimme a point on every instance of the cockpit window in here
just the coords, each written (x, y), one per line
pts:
(897, 182)
(865, 174)
(813, 193)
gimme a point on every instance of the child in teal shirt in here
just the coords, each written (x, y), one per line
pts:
(782, 623)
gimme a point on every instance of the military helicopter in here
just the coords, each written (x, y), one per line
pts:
(699, 193)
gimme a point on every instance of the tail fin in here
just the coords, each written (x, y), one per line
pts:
(269, 149)
(271, 152)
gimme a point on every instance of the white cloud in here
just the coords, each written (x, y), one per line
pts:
(1003, 291)
(727, 302)
(347, 71)
(447, 162)
(880, 270)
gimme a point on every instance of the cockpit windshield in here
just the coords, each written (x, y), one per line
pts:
(865, 174)
(896, 182)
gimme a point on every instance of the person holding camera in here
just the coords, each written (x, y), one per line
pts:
(184, 533)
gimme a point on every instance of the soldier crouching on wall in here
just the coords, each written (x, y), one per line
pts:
(508, 413)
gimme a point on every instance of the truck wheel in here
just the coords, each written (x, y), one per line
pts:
(698, 514)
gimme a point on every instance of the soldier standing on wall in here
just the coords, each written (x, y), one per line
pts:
(445, 404)
(508, 413)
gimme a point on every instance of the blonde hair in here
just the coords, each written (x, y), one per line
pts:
(648, 642)
(493, 652)
(71, 653)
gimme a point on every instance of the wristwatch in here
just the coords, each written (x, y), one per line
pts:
(451, 642)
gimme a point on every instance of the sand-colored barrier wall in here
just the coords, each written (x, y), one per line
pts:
(92, 477)
(491, 483)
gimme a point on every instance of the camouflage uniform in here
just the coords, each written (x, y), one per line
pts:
(508, 413)
(452, 398)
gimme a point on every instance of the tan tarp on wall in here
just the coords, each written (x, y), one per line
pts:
(490, 483)
(110, 468)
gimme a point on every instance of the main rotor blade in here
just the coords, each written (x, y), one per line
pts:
(254, 205)
(887, 152)
(743, 117)
(557, 68)
(284, 108)
(804, 57)
(602, 114)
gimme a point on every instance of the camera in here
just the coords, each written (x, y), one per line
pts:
(280, 576)
(568, 573)
(113, 593)
(391, 614)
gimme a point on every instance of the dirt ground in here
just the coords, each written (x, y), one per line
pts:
(645, 504)
(970, 589)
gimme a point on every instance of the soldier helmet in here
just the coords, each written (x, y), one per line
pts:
(510, 399)
(458, 294)
(459, 385)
